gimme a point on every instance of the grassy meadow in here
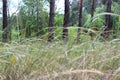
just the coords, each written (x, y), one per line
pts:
(35, 59)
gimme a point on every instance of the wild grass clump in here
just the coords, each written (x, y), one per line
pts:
(34, 59)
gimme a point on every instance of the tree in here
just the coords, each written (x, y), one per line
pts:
(32, 18)
(108, 25)
(93, 8)
(5, 22)
(66, 20)
(51, 21)
(80, 18)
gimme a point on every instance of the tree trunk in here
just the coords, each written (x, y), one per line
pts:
(66, 20)
(37, 23)
(80, 19)
(5, 22)
(51, 21)
(107, 20)
(92, 9)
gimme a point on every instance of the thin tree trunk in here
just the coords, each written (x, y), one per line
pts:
(51, 21)
(5, 22)
(107, 20)
(66, 20)
(37, 31)
(92, 15)
(92, 9)
(80, 19)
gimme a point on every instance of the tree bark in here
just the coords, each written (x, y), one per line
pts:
(107, 20)
(51, 21)
(92, 9)
(80, 19)
(66, 20)
(5, 22)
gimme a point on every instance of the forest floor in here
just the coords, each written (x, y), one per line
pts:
(38, 60)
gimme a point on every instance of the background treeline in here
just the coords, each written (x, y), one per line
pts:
(33, 19)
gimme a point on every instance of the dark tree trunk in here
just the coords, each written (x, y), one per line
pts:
(107, 20)
(92, 9)
(5, 22)
(108, 24)
(66, 20)
(92, 14)
(80, 18)
(51, 21)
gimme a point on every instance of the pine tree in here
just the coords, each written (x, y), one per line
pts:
(66, 20)
(5, 22)
(107, 20)
(51, 21)
(80, 18)
(93, 8)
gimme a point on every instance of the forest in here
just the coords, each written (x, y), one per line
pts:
(51, 40)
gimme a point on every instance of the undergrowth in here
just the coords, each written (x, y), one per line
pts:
(35, 59)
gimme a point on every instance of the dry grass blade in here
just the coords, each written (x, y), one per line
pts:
(74, 72)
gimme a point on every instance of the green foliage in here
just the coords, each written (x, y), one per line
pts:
(72, 33)
(74, 17)
(58, 33)
(115, 19)
(14, 34)
(99, 22)
(32, 18)
(58, 19)
(87, 5)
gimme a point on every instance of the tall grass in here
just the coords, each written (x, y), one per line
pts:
(34, 59)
